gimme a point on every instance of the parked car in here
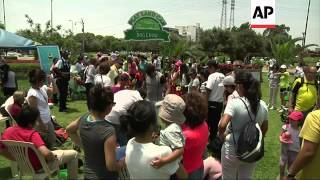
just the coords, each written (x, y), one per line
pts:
(13, 54)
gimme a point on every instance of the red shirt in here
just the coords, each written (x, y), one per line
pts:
(133, 68)
(15, 110)
(196, 142)
(139, 76)
(18, 133)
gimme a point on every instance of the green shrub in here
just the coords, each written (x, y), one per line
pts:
(311, 60)
(22, 69)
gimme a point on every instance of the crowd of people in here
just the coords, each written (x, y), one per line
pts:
(152, 123)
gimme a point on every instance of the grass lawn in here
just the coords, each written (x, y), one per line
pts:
(267, 168)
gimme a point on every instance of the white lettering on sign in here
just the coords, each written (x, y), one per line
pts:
(263, 14)
(147, 35)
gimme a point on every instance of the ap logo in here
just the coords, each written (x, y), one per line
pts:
(263, 14)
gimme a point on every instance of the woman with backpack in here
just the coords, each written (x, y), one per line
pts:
(243, 114)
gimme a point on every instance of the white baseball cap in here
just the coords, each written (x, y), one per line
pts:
(283, 66)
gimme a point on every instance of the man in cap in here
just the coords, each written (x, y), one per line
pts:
(229, 88)
(62, 70)
(284, 85)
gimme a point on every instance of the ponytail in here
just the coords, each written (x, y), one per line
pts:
(252, 89)
(253, 94)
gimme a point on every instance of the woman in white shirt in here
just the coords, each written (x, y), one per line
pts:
(38, 97)
(250, 96)
(90, 73)
(140, 151)
(101, 77)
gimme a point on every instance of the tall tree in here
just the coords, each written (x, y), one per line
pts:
(279, 34)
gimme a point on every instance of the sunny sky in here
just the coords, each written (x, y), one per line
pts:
(110, 17)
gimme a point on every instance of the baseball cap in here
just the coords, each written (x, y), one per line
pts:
(228, 81)
(296, 116)
(283, 66)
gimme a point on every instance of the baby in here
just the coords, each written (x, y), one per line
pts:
(171, 116)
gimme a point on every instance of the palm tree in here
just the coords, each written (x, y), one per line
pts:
(185, 49)
(286, 52)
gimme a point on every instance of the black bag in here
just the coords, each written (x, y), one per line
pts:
(64, 72)
(250, 145)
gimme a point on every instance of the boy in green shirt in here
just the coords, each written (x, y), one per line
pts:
(284, 85)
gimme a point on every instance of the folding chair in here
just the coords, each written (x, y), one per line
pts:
(19, 150)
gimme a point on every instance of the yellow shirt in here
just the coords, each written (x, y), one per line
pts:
(307, 95)
(311, 132)
(113, 73)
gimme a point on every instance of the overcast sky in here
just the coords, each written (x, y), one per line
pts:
(110, 17)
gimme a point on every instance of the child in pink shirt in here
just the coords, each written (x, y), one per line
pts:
(290, 144)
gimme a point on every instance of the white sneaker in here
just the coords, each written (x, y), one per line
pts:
(272, 108)
(281, 110)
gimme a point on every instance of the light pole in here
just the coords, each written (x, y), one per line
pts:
(82, 30)
(82, 35)
(71, 25)
(4, 14)
(305, 30)
(51, 17)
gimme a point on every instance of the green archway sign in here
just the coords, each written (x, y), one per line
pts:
(146, 25)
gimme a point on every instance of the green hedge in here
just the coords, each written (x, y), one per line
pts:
(22, 69)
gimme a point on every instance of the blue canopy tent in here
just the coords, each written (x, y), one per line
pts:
(45, 53)
(11, 40)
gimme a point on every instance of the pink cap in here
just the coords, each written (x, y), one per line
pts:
(296, 116)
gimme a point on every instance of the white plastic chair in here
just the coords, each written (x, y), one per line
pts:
(7, 108)
(19, 150)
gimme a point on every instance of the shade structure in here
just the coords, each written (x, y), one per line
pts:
(11, 40)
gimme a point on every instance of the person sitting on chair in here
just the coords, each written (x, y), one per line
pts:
(18, 100)
(25, 132)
